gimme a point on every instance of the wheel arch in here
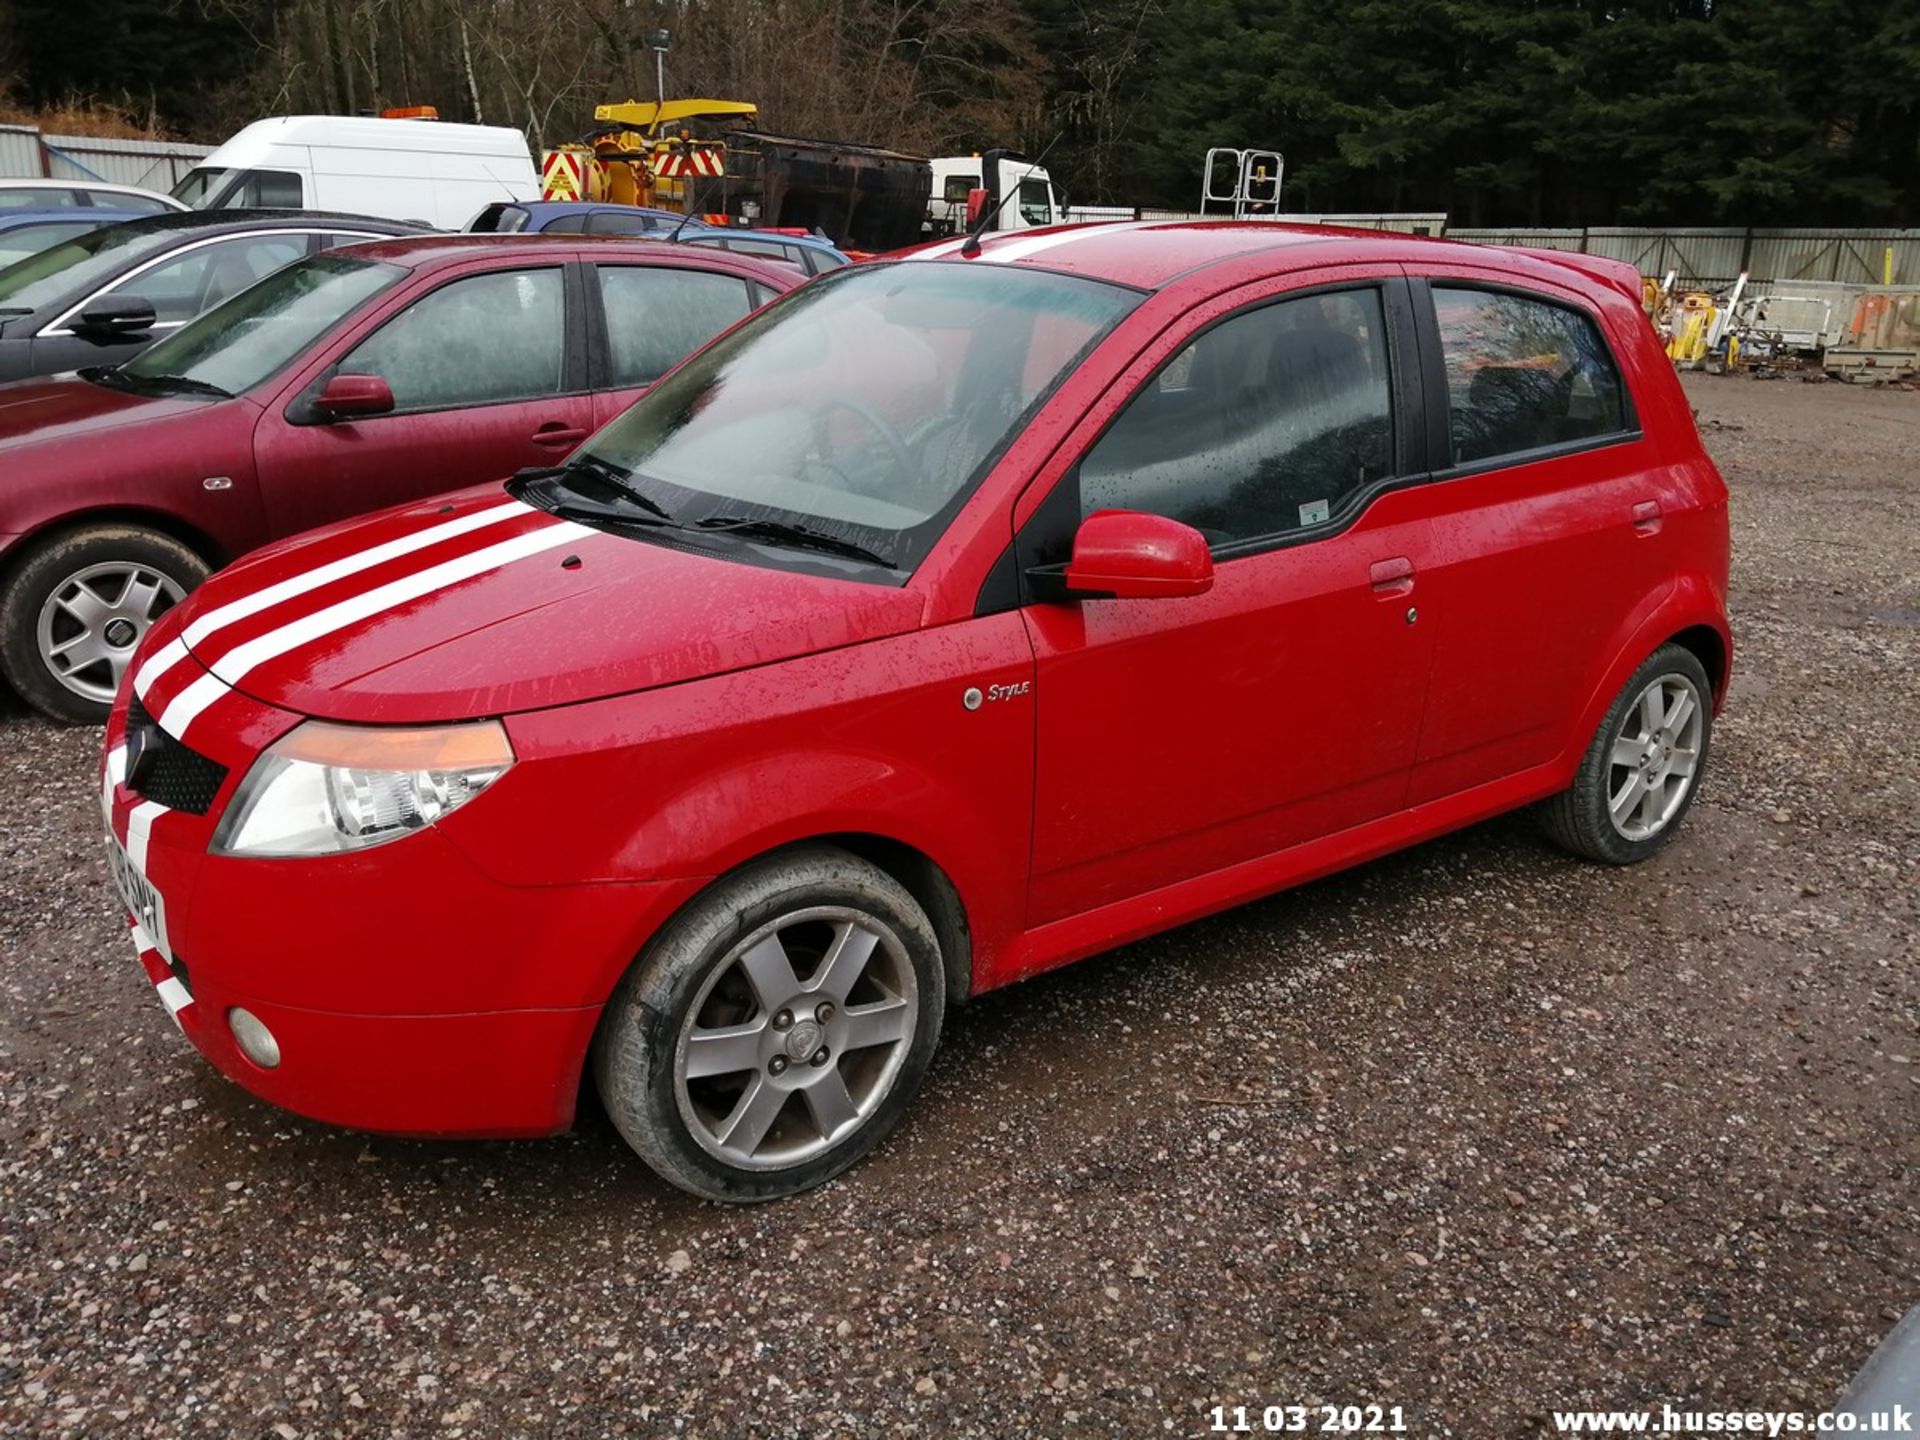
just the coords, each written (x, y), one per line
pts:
(159, 521)
(1688, 614)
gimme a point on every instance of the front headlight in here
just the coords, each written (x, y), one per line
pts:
(326, 788)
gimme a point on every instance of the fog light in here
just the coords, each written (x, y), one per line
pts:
(256, 1042)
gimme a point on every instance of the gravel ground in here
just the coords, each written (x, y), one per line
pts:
(1475, 1130)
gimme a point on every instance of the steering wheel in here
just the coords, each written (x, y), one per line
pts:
(879, 426)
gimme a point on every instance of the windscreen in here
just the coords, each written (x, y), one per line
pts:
(79, 263)
(866, 405)
(237, 345)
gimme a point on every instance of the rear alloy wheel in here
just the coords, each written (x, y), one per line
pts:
(776, 1029)
(1640, 773)
(79, 605)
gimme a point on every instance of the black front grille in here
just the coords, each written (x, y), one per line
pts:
(170, 772)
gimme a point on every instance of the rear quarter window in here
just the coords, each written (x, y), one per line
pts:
(1523, 373)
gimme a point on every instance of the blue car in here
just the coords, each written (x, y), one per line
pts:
(591, 217)
(28, 232)
(810, 254)
(814, 254)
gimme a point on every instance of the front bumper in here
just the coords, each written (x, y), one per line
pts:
(408, 990)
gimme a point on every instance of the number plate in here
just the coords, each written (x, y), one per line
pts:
(138, 895)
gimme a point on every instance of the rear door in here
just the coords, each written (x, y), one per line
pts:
(488, 373)
(648, 318)
(1544, 541)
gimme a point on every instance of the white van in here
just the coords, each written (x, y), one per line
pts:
(426, 170)
(1031, 204)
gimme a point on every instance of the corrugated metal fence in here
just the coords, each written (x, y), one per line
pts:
(153, 164)
(1703, 256)
(1716, 256)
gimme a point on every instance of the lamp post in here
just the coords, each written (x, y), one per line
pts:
(660, 41)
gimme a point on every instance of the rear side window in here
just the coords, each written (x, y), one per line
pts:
(136, 204)
(475, 341)
(500, 220)
(52, 198)
(1523, 374)
(1271, 421)
(612, 222)
(571, 223)
(657, 317)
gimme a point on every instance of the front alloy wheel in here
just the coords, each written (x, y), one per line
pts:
(775, 1030)
(796, 1038)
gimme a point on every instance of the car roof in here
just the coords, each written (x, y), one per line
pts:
(421, 251)
(1152, 254)
(214, 221)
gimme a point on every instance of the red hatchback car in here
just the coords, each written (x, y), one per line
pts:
(349, 381)
(952, 619)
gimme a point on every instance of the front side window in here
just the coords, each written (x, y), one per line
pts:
(248, 339)
(1036, 202)
(1271, 421)
(207, 189)
(1522, 374)
(475, 341)
(863, 407)
(658, 317)
(197, 280)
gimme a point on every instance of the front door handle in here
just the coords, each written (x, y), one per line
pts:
(557, 433)
(1646, 518)
(1391, 577)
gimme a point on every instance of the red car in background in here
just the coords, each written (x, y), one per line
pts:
(351, 380)
(955, 618)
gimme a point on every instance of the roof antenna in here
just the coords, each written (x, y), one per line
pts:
(971, 246)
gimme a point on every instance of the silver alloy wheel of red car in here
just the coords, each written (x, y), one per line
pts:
(772, 1069)
(94, 619)
(1656, 753)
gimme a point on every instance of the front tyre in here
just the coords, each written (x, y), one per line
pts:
(776, 1029)
(77, 606)
(1640, 774)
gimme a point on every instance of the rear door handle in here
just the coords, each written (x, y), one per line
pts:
(1391, 577)
(1646, 517)
(556, 433)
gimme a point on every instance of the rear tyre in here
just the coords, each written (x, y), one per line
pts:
(1641, 772)
(775, 1030)
(77, 606)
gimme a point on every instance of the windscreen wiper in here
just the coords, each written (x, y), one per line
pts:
(158, 384)
(795, 537)
(605, 472)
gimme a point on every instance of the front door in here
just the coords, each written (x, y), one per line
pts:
(485, 381)
(1178, 737)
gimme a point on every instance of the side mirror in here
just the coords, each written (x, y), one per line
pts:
(1129, 555)
(345, 396)
(115, 317)
(976, 206)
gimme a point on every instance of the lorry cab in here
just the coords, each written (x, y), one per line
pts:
(1031, 201)
(418, 169)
